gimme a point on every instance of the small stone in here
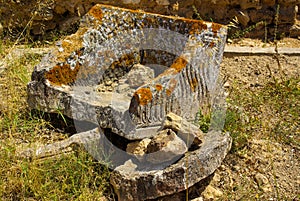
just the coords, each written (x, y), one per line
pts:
(198, 199)
(139, 147)
(108, 83)
(216, 178)
(165, 146)
(139, 75)
(211, 193)
(260, 179)
(190, 133)
(263, 182)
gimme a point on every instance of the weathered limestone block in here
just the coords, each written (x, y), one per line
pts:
(130, 183)
(71, 78)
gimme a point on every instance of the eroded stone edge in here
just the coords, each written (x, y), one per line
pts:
(195, 166)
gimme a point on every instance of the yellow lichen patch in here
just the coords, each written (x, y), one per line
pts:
(193, 84)
(62, 75)
(70, 44)
(216, 27)
(197, 27)
(143, 95)
(96, 12)
(179, 64)
(158, 87)
(168, 92)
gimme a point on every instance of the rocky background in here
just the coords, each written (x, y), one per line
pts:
(265, 16)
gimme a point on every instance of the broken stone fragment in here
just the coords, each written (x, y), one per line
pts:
(134, 183)
(187, 131)
(164, 147)
(139, 147)
(139, 75)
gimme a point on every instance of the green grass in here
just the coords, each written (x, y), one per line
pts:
(270, 112)
(75, 176)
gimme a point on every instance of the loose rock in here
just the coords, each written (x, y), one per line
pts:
(211, 193)
(165, 146)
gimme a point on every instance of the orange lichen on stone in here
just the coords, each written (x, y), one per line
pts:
(179, 64)
(158, 87)
(216, 27)
(143, 96)
(168, 92)
(70, 44)
(96, 12)
(62, 75)
(197, 27)
(193, 84)
(212, 44)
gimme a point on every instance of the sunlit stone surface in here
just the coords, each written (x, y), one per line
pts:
(80, 77)
(125, 71)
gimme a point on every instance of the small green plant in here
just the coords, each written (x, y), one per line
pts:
(276, 22)
(240, 33)
(203, 121)
(198, 16)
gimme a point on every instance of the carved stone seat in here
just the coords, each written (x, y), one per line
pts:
(125, 71)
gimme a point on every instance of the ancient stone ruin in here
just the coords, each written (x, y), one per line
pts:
(46, 15)
(141, 79)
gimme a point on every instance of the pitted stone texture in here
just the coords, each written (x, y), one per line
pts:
(132, 184)
(71, 78)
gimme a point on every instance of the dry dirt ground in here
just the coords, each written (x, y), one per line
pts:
(264, 169)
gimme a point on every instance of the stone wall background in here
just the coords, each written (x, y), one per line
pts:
(62, 15)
